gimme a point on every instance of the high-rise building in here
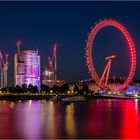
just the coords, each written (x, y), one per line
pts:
(27, 67)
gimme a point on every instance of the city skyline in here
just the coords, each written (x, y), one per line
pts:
(41, 24)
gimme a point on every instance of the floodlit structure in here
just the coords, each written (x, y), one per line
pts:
(131, 47)
(27, 67)
(49, 74)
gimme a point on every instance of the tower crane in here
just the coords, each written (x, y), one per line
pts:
(3, 70)
(18, 43)
(55, 62)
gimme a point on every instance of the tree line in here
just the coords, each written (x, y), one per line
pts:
(78, 88)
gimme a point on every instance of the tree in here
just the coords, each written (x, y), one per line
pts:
(64, 88)
(76, 88)
(35, 89)
(18, 89)
(24, 88)
(4, 90)
(55, 89)
(45, 88)
(85, 89)
(30, 88)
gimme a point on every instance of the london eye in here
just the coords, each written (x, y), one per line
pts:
(132, 55)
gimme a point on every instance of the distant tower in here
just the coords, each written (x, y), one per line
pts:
(27, 67)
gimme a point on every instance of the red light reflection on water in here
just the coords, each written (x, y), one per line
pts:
(113, 119)
(5, 122)
(130, 120)
(96, 120)
(50, 120)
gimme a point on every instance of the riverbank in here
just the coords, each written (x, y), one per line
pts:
(114, 96)
(13, 97)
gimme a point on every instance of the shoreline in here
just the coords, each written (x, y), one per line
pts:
(48, 97)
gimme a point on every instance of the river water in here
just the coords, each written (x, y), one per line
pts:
(41, 119)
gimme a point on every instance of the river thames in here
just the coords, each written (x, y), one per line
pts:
(98, 118)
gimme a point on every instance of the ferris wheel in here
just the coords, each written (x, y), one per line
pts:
(132, 54)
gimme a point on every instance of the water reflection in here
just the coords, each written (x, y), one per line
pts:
(46, 119)
(28, 119)
(5, 119)
(136, 105)
(70, 121)
(112, 119)
(130, 120)
(50, 121)
(30, 103)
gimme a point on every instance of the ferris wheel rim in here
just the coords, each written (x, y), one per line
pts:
(130, 45)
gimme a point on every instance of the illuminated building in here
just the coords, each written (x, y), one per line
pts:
(27, 67)
(48, 74)
(49, 71)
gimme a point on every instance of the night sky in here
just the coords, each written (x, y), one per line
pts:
(41, 24)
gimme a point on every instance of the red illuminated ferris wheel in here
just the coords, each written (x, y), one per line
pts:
(132, 53)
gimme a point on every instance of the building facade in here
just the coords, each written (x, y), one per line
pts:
(48, 74)
(27, 68)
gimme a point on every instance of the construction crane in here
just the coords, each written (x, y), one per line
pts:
(3, 70)
(52, 64)
(55, 62)
(18, 43)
